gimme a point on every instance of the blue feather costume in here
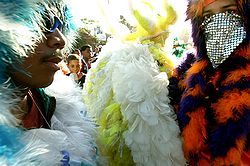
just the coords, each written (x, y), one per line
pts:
(71, 137)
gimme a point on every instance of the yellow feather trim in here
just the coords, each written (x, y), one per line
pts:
(110, 139)
(165, 63)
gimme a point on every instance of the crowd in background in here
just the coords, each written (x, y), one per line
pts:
(78, 63)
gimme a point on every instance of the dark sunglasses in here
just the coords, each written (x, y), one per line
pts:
(52, 23)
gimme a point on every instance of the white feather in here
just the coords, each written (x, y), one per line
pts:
(70, 118)
(133, 78)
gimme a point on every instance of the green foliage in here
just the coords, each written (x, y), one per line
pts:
(86, 35)
(178, 48)
(125, 22)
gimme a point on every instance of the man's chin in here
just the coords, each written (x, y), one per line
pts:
(42, 83)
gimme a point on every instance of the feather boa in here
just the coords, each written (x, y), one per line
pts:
(205, 97)
(71, 130)
(71, 119)
(128, 86)
(215, 109)
(176, 86)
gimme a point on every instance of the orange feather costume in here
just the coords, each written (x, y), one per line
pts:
(214, 111)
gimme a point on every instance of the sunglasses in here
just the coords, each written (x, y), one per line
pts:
(52, 23)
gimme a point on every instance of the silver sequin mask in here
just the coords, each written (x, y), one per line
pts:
(223, 33)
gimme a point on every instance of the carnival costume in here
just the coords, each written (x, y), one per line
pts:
(214, 110)
(126, 92)
(69, 139)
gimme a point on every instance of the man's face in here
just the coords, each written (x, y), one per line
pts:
(41, 65)
(87, 53)
(74, 66)
(223, 30)
(219, 6)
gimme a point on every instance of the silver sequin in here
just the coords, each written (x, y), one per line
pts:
(223, 33)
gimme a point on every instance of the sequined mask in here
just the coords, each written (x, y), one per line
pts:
(223, 33)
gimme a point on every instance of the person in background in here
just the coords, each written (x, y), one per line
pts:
(74, 65)
(86, 52)
(40, 119)
(96, 52)
(77, 51)
(214, 111)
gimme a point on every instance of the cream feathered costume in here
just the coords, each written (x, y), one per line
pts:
(126, 91)
(70, 140)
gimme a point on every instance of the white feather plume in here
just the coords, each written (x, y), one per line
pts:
(132, 76)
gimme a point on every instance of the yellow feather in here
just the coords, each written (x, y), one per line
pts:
(110, 139)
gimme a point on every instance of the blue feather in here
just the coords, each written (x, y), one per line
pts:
(7, 56)
(70, 22)
(17, 10)
(188, 104)
(197, 79)
(239, 85)
(191, 103)
(224, 137)
(10, 141)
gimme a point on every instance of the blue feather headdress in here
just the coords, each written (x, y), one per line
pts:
(22, 25)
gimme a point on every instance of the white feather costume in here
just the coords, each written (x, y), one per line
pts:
(126, 78)
(71, 130)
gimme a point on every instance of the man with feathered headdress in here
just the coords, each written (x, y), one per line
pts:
(39, 125)
(214, 113)
(126, 90)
